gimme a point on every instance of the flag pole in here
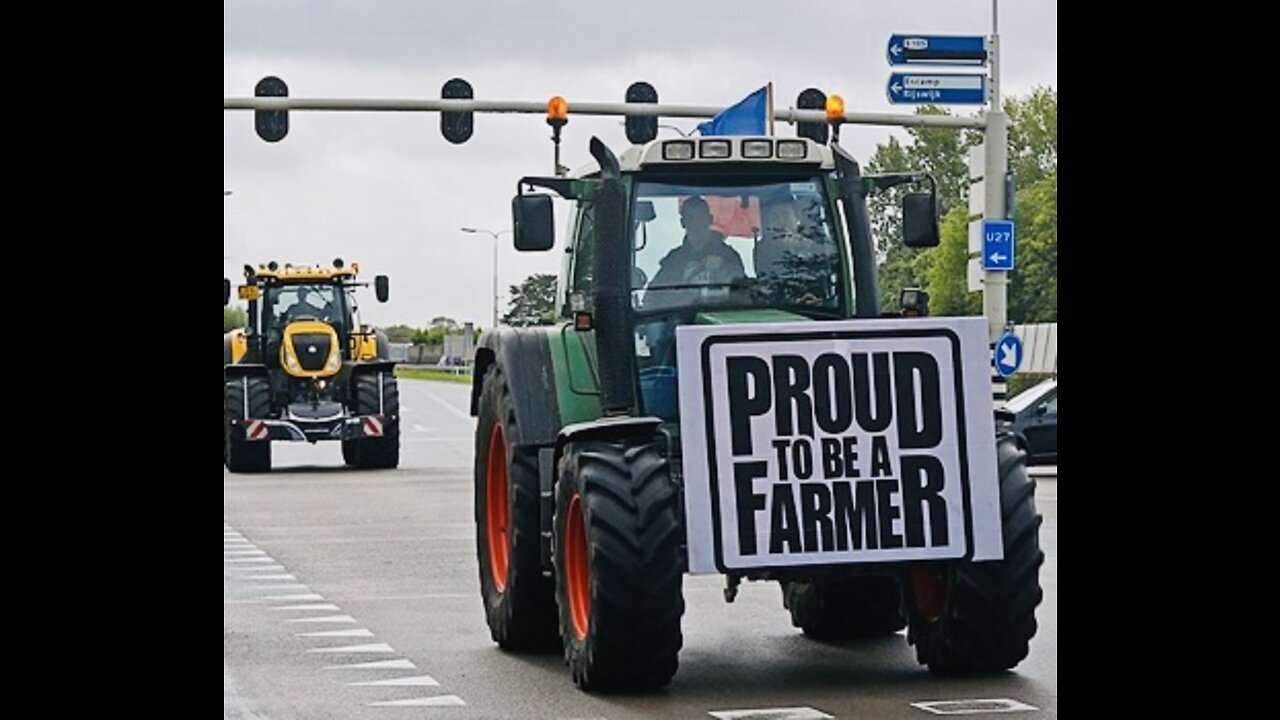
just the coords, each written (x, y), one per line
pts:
(770, 101)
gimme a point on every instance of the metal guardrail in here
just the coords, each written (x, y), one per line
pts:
(451, 369)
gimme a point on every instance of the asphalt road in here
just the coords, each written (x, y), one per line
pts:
(355, 594)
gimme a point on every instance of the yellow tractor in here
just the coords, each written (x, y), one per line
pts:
(304, 369)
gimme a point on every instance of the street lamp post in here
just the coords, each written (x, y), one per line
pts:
(494, 235)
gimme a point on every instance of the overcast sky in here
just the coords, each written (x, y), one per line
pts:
(388, 191)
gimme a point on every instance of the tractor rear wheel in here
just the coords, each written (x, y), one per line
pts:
(978, 617)
(618, 564)
(245, 398)
(377, 394)
(845, 609)
(519, 602)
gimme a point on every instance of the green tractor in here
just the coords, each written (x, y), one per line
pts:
(304, 369)
(730, 400)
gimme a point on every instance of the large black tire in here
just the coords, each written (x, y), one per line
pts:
(853, 608)
(239, 454)
(519, 601)
(986, 616)
(350, 452)
(376, 452)
(618, 564)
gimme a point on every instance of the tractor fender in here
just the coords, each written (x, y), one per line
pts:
(372, 366)
(607, 428)
(235, 345)
(238, 370)
(524, 354)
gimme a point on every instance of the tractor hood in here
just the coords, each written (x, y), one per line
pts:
(764, 315)
(310, 350)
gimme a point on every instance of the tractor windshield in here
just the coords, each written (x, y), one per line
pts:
(763, 245)
(313, 301)
(771, 244)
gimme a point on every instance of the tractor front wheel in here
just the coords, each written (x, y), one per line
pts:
(244, 399)
(618, 565)
(376, 394)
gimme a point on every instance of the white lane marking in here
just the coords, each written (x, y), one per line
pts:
(325, 619)
(972, 707)
(291, 586)
(416, 681)
(277, 568)
(450, 407)
(437, 701)
(270, 577)
(401, 664)
(242, 553)
(427, 596)
(300, 596)
(791, 713)
(248, 560)
(421, 429)
(316, 606)
(370, 648)
(362, 632)
(236, 542)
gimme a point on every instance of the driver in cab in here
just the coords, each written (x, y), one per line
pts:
(702, 260)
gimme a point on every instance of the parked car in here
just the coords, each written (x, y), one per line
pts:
(1032, 415)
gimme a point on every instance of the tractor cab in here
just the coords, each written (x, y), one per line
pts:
(712, 231)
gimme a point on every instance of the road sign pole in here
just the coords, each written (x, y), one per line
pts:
(995, 138)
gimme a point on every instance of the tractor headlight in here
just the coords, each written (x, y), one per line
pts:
(714, 148)
(290, 361)
(792, 149)
(677, 150)
(334, 362)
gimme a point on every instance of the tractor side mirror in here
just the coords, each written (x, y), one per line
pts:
(644, 211)
(533, 222)
(920, 220)
(382, 287)
(226, 291)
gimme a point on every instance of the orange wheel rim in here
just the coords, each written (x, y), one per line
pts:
(497, 514)
(929, 588)
(577, 576)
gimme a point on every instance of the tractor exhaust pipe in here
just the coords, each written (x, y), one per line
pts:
(615, 338)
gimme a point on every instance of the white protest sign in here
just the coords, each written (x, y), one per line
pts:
(837, 442)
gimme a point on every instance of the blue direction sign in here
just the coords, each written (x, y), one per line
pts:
(937, 50)
(1008, 354)
(997, 245)
(934, 88)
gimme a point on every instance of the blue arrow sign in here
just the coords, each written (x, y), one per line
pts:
(1008, 354)
(933, 88)
(997, 245)
(937, 50)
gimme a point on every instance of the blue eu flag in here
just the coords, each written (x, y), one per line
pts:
(750, 116)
